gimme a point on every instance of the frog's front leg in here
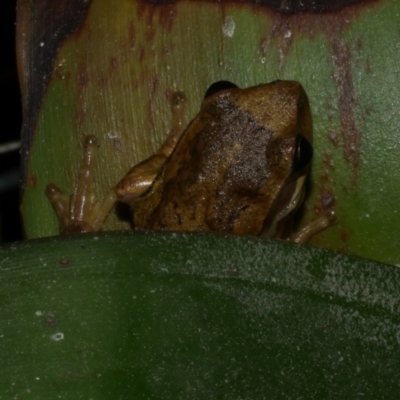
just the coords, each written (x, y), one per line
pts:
(79, 213)
(141, 176)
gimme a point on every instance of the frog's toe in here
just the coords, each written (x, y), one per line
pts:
(60, 204)
(79, 213)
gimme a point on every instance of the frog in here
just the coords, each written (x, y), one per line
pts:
(239, 167)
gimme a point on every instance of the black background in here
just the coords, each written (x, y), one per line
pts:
(10, 113)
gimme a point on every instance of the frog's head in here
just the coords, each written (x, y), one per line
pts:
(272, 146)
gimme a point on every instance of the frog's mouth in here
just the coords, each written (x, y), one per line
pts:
(288, 202)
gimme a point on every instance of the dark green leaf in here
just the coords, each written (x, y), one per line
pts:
(194, 316)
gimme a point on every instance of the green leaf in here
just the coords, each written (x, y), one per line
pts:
(173, 316)
(115, 68)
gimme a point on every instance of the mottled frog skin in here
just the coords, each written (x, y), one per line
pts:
(238, 167)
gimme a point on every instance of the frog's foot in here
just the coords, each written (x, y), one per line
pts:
(316, 226)
(79, 213)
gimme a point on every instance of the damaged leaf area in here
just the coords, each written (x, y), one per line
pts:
(114, 69)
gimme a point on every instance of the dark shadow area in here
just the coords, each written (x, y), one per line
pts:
(10, 114)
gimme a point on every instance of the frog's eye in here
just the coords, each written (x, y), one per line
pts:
(303, 154)
(218, 86)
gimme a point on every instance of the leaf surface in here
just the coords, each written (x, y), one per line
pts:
(173, 316)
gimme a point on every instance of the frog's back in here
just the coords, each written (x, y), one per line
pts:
(229, 166)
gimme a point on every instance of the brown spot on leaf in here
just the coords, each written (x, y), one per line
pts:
(167, 16)
(327, 160)
(232, 271)
(264, 45)
(50, 320)
(327, 199)
(351, 134)
(64, 262)
(328, 166)
(168, 94)
(157, 12)
(344, 236)
(333, 136)
(113, 64)
(83, 77)
(31, 180)
(283, 32)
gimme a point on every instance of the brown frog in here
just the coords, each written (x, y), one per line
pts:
(239, 167)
